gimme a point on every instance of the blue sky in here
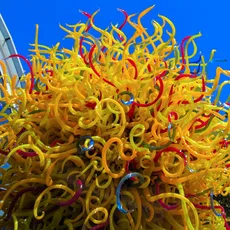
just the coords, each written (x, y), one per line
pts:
(211, 18)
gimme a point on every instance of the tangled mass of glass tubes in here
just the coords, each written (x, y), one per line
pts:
(116, 133)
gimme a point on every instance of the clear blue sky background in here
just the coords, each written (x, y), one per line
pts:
(211, 18)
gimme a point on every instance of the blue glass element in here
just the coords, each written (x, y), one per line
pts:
(5, 166)
(82, 140)
(118, 191)
(131, 100)
(212, 204)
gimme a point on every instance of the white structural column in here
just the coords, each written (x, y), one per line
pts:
(7, 48)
